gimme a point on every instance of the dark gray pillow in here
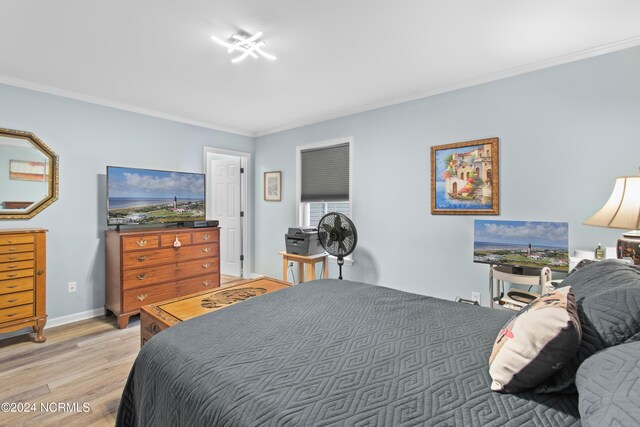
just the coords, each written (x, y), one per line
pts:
(608, 298)
(609, 387)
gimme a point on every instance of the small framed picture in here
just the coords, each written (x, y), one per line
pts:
(273, 186)
(25, 170)
(465, 178)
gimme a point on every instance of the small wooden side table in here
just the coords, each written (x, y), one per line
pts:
(302, 260)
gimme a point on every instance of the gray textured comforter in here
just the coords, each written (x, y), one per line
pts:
(331, 353)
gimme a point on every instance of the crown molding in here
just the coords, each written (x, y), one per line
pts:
(512, 72)
(11, 81)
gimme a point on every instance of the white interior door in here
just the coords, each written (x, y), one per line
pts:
(226, 209)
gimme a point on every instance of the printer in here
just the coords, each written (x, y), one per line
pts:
(303, 241)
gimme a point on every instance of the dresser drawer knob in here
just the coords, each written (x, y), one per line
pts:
(142, 257)
(12, 300)
(206, 282)
(141, 242)
(9, 241)
(142, 276)
(11, 275)
(206, 250)
(11, 267)
(141, 297)
(11, 314)
(206, 265)
(12, 249)
(205, 237)
(13, 258)
(40, 272)
(12, 286)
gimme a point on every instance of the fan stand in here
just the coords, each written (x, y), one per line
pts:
(340, 264)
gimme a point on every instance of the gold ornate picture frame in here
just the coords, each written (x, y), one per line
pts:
(465, 178)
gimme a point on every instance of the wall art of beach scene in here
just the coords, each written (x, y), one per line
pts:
(143, 196)
(522, 243)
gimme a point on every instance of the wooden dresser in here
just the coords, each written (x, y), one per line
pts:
(23, 280)
(150, 265)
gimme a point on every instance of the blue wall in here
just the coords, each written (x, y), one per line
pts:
(87, 138)
(565, 134)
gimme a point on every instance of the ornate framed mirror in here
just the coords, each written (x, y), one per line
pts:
(28, 175)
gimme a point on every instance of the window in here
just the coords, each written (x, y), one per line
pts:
(324, 181)
(316, 210)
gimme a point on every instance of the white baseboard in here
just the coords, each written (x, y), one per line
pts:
(76, 317)
(59, 321)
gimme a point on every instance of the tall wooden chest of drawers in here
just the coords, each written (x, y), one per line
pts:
(146, 266)
(23, 280)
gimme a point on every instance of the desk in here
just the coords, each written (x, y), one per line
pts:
(303, 260)
(504, 274)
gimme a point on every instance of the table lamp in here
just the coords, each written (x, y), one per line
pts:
(622, 210)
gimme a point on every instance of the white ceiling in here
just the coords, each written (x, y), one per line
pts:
(335, 57)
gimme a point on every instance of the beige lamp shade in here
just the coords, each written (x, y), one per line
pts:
(622, 210)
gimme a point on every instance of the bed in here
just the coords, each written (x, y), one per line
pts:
(332, 352)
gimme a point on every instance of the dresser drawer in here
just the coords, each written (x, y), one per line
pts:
(148, 276)
(17, 285)
(197, 268)
(12, 249)
(163, 273)
(199, 284)
(140, 242)
(167, 240)
(15, 313)
(17, 298)
(5, 275)
(16, 239)
(18, 265)
(136, 298)
(148, 258)
(21, 256)
(199, 251)
(168, 255)
(205, 236)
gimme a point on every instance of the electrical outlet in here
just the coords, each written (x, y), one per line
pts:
(475, 296)
(72, 287)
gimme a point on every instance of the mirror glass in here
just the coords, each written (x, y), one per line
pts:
(28, 177)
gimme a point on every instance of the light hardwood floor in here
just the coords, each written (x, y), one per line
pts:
(82, 362)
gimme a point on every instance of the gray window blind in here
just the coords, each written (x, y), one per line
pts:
(325, 174)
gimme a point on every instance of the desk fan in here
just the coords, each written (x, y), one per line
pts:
(338, 236)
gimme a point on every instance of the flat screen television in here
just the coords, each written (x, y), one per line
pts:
(145, 196)
(522, 244)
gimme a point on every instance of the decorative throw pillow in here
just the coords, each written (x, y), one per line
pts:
(609, 387)
(608, 298)
(536, 342)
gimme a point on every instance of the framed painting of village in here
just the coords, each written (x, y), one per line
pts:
(465, 178)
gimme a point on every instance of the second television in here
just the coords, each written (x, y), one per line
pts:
(532, 244)
(146, 196)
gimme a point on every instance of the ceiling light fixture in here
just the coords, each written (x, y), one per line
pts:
(246, 44)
